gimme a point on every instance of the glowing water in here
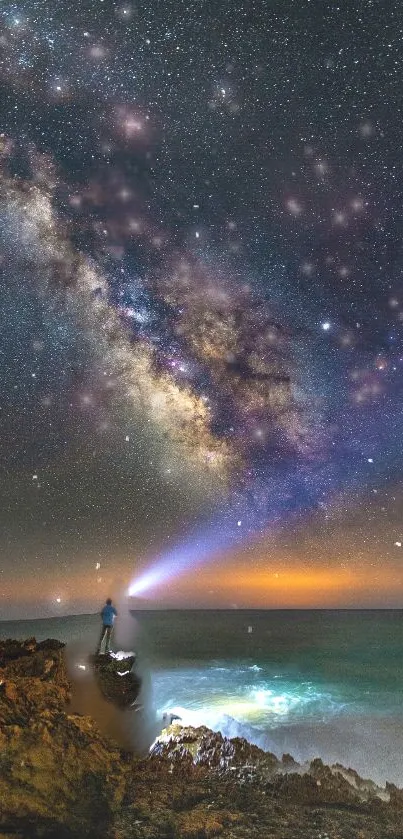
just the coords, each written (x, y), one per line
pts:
(214, 696)
(281, 714)
(313, 684)
(325, 684)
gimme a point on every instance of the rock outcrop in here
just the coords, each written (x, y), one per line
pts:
(116, 679)
(60, 777)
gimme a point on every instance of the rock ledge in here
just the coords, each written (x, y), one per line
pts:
(59, 777)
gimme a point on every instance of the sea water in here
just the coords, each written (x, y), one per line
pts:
(323, 684)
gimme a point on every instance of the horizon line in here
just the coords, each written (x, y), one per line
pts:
(217, 609)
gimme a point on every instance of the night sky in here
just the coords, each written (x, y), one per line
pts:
(201, 340)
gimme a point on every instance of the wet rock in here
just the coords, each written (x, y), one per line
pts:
(212, 750)
(116, 679)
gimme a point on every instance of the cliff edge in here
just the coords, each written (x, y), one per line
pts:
(60, 777)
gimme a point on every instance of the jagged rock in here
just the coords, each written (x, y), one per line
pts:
(61, 779)
(116, 680)
(10, 648)
(288, 761)
(395, 797)
(58, 776)
(218, 753)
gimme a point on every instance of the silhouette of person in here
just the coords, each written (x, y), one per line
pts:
(108, 616)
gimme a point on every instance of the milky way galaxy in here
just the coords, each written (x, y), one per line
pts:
(203, 322)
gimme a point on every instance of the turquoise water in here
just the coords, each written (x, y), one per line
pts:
(312, 683)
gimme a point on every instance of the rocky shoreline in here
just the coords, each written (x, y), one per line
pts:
(62, 778)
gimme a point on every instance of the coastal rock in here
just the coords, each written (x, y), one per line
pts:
(215, 752)
(116, 679)
(60, 778)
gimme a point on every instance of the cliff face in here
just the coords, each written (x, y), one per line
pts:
(60, 777)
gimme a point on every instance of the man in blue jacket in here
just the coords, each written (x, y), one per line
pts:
(108, 615)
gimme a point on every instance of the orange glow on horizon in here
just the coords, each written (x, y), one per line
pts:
(297, 587)
(226, 583)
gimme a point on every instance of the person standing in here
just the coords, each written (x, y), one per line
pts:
(108, 616)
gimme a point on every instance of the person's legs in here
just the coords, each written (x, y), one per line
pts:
(108, 634)
(101, 638)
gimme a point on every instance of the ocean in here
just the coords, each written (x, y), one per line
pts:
(317, 683)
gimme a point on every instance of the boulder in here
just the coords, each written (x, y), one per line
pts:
(116, 679)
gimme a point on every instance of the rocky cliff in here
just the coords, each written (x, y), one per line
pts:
(61, 777)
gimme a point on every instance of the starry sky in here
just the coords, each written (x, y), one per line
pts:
(201, 341)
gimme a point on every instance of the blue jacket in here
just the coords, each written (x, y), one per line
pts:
(108, 615)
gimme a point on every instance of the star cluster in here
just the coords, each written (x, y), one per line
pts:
(200, 244)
